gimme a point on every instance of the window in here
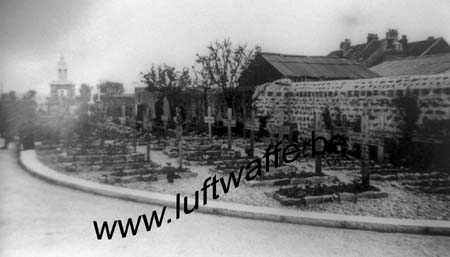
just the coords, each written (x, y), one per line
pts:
(425, 91)
(269, 93)
(399, 92)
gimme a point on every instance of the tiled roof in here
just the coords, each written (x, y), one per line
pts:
(318, 67)
(372, 52)
(428, 64)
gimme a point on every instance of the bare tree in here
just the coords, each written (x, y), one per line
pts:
(224, 64)
(165, 80)
(201, 81)
(110, 87)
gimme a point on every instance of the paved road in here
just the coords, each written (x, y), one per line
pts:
(41, 219)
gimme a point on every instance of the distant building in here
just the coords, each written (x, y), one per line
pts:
(375, 51)
(421, 65)
(119, 106)
(62, 91)
(268, 67)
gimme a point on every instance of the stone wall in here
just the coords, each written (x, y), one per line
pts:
(284, 101)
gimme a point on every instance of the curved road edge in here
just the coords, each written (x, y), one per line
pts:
(29, 161)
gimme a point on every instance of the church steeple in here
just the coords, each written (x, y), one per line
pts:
(62, 69)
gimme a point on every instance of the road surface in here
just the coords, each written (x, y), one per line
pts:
(42, 219)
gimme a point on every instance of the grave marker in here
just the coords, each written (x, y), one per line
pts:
(230, 123)
(252, 125)
(166, 114)
(147, 119)
(365, 148)
(134, 139)
(165, 120)
(210, 120)
(179, 122)
(281, 131)
(318, 157)
(123, 118)
(148, 148)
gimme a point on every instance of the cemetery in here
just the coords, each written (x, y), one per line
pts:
(115, 153)
(171, 141)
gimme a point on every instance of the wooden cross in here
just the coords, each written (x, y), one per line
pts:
(179, 122)
(165, 120)
(147, 137)
(210, 120)
(134, 139)
(252, 125)
(365, 148)
(123, 118)
(124, 145)
(147, 121)
(230, 123)
(281, 131)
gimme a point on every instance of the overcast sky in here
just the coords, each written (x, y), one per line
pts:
(115, 40)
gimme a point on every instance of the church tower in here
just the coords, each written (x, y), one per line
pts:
(62, 69)
(62, 91)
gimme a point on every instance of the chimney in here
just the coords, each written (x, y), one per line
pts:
(391, 38)
(430, 38)
(371, 36)
(404, 41)
(345, 46)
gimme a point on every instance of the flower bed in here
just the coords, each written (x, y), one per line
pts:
(323, 193)
(291, 174)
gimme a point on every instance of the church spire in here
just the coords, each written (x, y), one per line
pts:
(62, 69)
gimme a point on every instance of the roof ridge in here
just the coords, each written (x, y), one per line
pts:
(429, 56)
(305, 56)
(431, 46)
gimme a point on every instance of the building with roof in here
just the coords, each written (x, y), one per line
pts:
(420, 65)
(268, 67)
(375, 51)
(62, 91)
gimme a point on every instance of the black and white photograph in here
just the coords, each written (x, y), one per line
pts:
(225, 128)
